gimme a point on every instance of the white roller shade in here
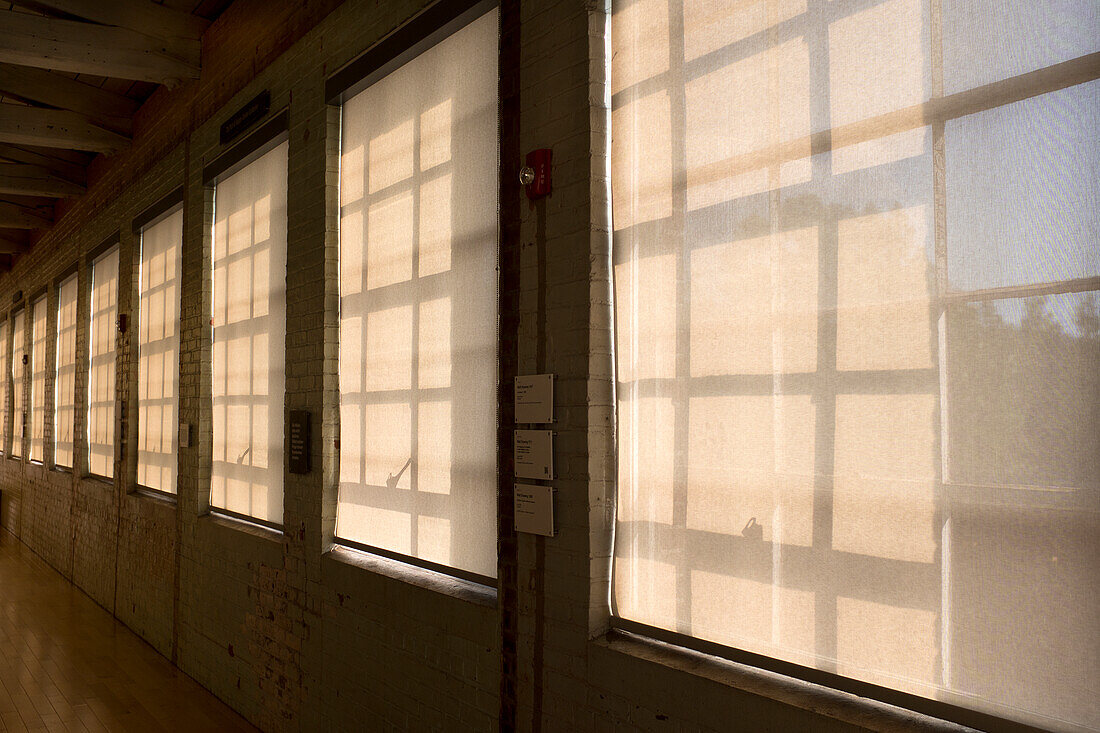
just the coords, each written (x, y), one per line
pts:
(858, 339)
(19, 372)
(418, 300)
(65, 384)
(5, 390)
(250, 338)
(101, 372)
(37, 368)
(158, 352)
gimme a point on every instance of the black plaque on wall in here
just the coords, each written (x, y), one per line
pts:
(299, 441)
(243, 118)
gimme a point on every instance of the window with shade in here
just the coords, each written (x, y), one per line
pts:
(250, 338)
(158, 352)
(65, 383)
(38, 369)
(101, 364)
(5, 380)
(418, 307)
(858, 344)
(19, 371)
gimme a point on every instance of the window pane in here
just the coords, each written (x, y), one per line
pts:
(19, 372)
(831, 451)
(38, 380)
(250, 338)
(418, 357)
(65, 385)
(5, 381)
(158, 352)
(101, 373)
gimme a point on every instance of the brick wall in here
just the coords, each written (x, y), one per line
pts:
(287, 630)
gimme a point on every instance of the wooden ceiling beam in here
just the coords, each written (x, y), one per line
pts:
(62, 168)
(56, 128)
(44, 87)
(33, 180)
(17, 216)
(142, 16)
(86, 48)
(14, 241)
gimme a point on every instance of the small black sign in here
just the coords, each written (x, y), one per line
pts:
(243, 118)
(299, 441)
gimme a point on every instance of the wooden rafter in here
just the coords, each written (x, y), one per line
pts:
(86, 48)
(55, 128)
(58, 162)
(143, 16)
(33, 180)
(44, 87)
(14, 241)
(17, 216)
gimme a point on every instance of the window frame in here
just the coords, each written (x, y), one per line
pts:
(72, 271)
(162, 209)
(942, 109)
(271, 134)
(94, 255)
(6, 366)
(39, 297)
(18, 310)
(430, 27)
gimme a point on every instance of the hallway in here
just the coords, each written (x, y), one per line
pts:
(68, 665)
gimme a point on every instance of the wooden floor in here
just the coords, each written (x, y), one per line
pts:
(68, 665)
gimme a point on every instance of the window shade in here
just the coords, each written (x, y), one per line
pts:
(5, 380)
(158, 352)
(250, 338)
(37, 368)
(65, 384)
(101, 372)
(19, 348)
(858, 351)
(418, 300)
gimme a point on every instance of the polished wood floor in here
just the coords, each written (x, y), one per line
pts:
(68, 665)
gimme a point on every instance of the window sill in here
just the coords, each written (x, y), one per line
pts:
(97, 480)
(236, 524)
(459, 588)
(813, 698)
(161, 497)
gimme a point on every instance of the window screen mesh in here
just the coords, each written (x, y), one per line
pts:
(19, 371)
(858, 339)
(158, 352)
(5, 380)
(418, 300)
(65, 384)
(101, 372)
(250, 337)
(37, 369)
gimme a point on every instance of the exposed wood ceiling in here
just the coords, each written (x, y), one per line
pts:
(72, 75)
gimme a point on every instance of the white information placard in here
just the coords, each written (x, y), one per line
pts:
(535, 398)
(534, 454)
(534, 509)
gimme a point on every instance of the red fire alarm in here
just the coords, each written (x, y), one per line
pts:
(535, 175)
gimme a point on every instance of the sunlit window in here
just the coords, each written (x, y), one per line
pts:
(65, 384)
(418, 301)
(5, 380)
(19, 372)
(37, 368)
(158, 352)
(250, 338)
(858, 341)
(101, 365)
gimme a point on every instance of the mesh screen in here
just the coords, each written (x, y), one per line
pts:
(19, 372)
(37, 369)
(101, 372)
(418, 301)
(250, 337)
(65, 385)
(858, 339)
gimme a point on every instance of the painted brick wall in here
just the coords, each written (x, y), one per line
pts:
(289, 631)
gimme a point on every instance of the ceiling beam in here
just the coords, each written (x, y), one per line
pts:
(44, 87)
(86, 48)
(33, 180)
(15, 216)
(56, 128)
(142, 16)
(67, 169)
